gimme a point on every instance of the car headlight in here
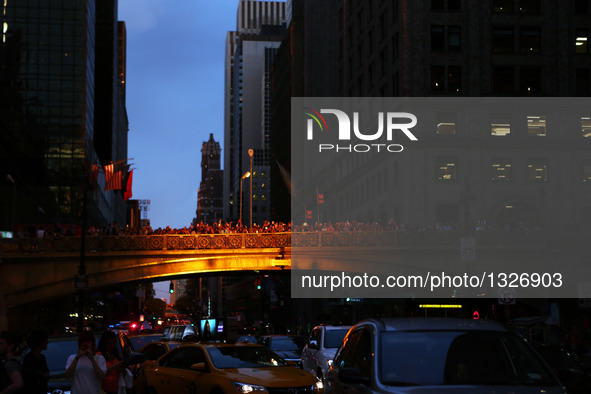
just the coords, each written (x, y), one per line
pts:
(248, 388)
(318, 386)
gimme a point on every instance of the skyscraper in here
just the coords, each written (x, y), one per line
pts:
(63, 110)
(210, 193)
(249, 53)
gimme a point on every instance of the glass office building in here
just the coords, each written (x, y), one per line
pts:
(56, 119)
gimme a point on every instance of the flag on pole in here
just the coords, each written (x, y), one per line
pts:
(116, 180)
(127, 186)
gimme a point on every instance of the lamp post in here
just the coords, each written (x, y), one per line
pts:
(246, 175)
(250, 153)
(11, 180)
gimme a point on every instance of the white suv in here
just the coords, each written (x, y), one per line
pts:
(321, 348)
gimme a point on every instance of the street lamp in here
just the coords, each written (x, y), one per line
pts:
(250, 153)
(11, 180)
(246, 175)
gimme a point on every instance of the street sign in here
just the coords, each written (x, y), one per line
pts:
(506, 297)
(81, 282)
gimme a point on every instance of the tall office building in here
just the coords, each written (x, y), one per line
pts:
(442, 48)
(249, 54)
(210, 193)
(63, 110)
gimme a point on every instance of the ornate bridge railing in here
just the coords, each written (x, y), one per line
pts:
(275, 240)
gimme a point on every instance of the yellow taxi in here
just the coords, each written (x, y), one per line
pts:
(218, 368)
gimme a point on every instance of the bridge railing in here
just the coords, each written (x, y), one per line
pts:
(96, 244)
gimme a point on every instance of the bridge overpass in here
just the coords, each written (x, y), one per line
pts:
(35, 269)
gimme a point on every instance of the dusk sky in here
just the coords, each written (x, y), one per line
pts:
(175, 90)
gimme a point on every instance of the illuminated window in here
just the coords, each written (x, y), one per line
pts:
(537, 170)
(500, 169)
(446, 169)
(500, 128)
(536, 125)
(586, 126)
(446, 124)
(581, 45)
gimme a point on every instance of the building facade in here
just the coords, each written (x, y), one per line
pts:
(249, 54)
(63, 111)
(449, 48)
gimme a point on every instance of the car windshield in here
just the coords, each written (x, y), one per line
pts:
(244, 357)
(459, 358)
(333, 338)
(287, 344)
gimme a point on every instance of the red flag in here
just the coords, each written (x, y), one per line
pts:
(127, 193)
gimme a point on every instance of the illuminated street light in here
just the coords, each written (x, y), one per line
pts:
(246, 175)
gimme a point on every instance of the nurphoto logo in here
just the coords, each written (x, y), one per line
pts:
(392, 124)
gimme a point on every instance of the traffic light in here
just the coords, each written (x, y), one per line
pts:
(258, 283)
(171, 288)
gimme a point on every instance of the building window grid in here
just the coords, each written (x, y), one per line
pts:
(501, 170)
(537, 170)
(536, 125)
(446, 169)
(500, 128)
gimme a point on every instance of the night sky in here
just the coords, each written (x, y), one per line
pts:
(175, 90)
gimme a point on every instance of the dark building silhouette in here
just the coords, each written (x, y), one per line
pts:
(62, 72)
(210, 207)
(436, 48)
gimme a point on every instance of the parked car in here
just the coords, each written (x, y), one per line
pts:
(565, 365)
(217, 368)
(289, 347)
(321, 348)
(247, 339)
(430, 355)
(57, 353)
